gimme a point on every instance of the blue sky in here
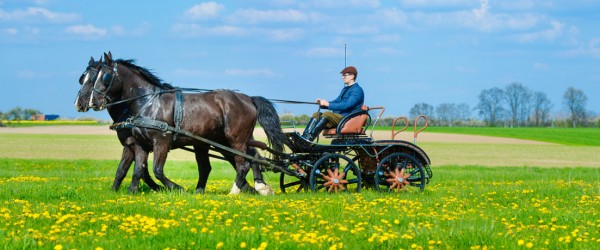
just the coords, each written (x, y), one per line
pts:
(406, 51)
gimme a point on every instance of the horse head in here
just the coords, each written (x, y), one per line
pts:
(87, 81)
(104, 85)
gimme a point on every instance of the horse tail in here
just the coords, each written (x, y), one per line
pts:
(269, 120)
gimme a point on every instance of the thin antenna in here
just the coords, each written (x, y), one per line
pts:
(344, 55)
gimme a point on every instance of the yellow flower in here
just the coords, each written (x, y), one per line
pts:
(243, 245)
(58, 247)
(220, 245)
(521, 242)
(529, 245)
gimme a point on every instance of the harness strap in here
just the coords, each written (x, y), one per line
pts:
(178, 112)
(163, 126)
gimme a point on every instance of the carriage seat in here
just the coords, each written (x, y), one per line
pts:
(353, 124)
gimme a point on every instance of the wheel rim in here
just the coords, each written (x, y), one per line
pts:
(398, 172)
(335, 173)
(291, 184)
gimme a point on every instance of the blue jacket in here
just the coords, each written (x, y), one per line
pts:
(351, 98)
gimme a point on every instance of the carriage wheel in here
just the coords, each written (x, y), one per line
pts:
(289, 184)
(398, 172)
(335, 173)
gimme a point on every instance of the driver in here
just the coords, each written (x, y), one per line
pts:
(351, 99)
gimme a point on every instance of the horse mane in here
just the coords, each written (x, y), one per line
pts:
(145, 73)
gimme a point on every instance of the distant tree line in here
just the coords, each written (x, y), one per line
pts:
(512, 106)
(18, 114)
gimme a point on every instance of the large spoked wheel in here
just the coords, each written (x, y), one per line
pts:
(291, 184)
(335, 173)
(399, 172)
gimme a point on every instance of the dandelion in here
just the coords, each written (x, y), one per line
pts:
(529, 245)
(520, 242)
(58, 247)
(220, 245)
(243, 245)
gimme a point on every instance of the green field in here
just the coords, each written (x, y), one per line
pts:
(55, 194)
(565, 136)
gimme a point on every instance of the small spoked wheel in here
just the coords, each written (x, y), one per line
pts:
(399, 172)
(298, 184)
(335, 173)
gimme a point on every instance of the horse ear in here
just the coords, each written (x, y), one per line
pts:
(91, 62)
(108, 58)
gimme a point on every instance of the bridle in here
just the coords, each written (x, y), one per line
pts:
(106, 77)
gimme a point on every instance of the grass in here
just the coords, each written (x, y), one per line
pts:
(67, 204)
(55, 194)
(565, 136)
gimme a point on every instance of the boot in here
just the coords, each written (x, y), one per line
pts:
(311, 123)
(317, 128)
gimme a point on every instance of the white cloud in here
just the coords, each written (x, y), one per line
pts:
(9, 31)
(391, 16)
(88, 30)
(192, 30)
(592, 48)
(33, 14)
(345, 3)
(550, 34)
(250, 72)
(285, 34)
(480, 19)
(203, 11)
(438, 3)
(259, 16)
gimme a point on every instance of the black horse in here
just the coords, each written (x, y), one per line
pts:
(224, 117)
(118, 113)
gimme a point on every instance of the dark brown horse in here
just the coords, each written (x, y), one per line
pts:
(118, 113)
(224, 117)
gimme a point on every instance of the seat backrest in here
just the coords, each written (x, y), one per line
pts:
(353, 126)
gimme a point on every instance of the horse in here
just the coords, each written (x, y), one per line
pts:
(118, 113)
(221, 116)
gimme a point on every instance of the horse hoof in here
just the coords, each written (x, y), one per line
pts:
(235, 190)
(263, 189)
(199, 190)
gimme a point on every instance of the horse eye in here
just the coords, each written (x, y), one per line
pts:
(81, 79)
(106, 78)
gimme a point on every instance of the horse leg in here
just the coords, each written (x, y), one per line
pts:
(160, 157)
(244, 186)
(259, 184)
(126, 159)
(204, 168)
(141, 159)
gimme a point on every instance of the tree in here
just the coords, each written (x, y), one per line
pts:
(446, 114)
(15, 114)
(541, 108)
(464, 112)
(29, 113)
(421, 109)
(575, 101)
(490, 105)
(518, 100)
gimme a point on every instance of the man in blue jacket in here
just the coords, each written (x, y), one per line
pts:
(351, 99)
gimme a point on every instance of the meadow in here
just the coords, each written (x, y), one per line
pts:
(55, 194)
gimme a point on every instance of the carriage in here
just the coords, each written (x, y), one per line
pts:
(354, 160)
(151, 116)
